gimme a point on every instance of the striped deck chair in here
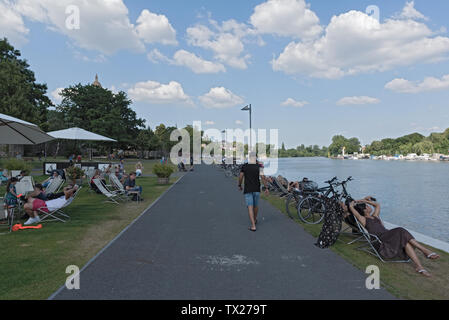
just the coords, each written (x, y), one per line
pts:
(59, 214)
(54, 186)
(126, 195)
(115, 182)
(113, 197)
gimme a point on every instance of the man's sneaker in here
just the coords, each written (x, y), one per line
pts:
(37, 219)
(30, 221)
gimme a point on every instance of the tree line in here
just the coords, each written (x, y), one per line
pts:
(89, 107)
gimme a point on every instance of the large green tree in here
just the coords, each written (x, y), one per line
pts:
(101, 111)
(20, 95)
(339, 142)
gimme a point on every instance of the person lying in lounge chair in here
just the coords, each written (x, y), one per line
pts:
(396, 243)
(33, 205)
(47, 182)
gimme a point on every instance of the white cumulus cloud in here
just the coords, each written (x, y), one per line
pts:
(286, 18)
(56, 95)
(104, 25)
(196, 64)
(12, 25)
(157, 93)
(219, 98)
(293, 103)
(355, 43)
(154, 28)
(409, 12)
(226, 41)
(357, 101)
(187, 59)
(428, 84)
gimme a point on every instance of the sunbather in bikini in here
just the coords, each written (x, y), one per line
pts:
(396, 243)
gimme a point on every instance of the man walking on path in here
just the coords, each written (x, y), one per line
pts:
(252, 172)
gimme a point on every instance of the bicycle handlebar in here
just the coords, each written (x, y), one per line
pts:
(331, 181)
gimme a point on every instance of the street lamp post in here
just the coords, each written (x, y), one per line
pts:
(249, 108)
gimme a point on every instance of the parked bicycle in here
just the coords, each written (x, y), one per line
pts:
(312, 208)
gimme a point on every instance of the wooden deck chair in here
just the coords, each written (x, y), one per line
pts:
(58, 215)
(113, 197)
(369, 241)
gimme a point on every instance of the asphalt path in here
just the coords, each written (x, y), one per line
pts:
(194, 243)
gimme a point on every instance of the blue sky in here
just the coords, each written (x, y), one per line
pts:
(182, 61)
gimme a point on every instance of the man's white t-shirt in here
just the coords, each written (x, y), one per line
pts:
(56, 204)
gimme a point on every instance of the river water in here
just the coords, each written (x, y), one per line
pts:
(413, 194)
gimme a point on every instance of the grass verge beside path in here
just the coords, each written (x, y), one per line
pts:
(400, 279)
(33, 262)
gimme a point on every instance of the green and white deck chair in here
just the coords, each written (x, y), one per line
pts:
(25, 185)
(115, 182)
(369, 241)
(15, 173)
(113, 197)
(54, 185)
(59, 214)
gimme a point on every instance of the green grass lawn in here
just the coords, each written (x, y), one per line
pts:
(400, 279)
(33, 262)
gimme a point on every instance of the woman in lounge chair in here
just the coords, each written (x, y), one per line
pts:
(97, 175)
(34, 205)
(396, 243)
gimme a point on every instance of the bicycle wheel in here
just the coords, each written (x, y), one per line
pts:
(311, 210)
(292, 203)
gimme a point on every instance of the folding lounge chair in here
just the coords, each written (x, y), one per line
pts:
(113, 197)
(281, 188)
(59, 214)
(120, 189)
(350, 228)
(369, 241)
(54, 185)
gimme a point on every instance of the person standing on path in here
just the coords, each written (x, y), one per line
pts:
(251, 172)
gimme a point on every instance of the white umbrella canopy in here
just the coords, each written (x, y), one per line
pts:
(16, 131)
(78, 134)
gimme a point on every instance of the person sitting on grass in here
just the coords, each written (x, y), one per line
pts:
(33, 205)
(130, 187)
(139, 168)
(395, 243)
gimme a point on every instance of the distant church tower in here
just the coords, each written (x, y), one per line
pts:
(96, 82)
